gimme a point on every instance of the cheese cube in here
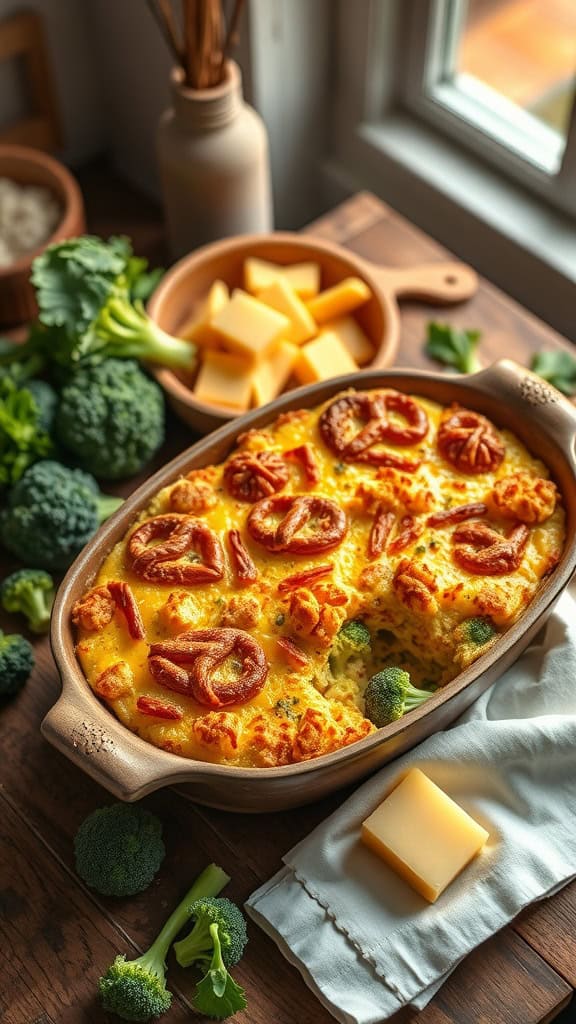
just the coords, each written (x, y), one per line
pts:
(259, 274)
(323, 358)
(421, 833)
(248, 326)
(339, 300)
(353, 338)
(304, 277)
(198, 328)
(224, 380)
(269, 377)
(281, 296)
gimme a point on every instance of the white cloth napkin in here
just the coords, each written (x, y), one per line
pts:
(365, 943)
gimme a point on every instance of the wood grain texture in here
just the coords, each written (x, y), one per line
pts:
(61, 936)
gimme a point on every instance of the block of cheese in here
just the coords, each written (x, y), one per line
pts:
(420, 832)
(304, 277)
(248, 326)
(280, 295)
(339, 300)
(323, 358)
(198, 328)
(269, 377)
(353, 338)
(224, 380)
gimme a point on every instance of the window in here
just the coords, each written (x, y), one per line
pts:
(499, 76)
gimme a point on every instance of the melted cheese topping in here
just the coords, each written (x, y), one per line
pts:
(305, 712)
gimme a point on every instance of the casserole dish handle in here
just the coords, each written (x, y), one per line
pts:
(113, 756)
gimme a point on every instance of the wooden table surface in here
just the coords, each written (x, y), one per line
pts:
(57, 938)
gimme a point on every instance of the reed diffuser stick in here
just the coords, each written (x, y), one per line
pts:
(202, 47)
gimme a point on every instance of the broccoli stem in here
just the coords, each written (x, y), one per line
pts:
(209, 883)
(37, 606)
(217, 970)
(128, 329)
(107, 504)
(195, 946)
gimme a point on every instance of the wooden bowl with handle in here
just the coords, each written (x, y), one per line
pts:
(189, 280)
(96, 741)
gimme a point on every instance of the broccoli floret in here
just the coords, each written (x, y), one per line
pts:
(51, 513)
(111, 416)
(475, 631)
(23, 439)
(217, 995)
(30, 592)
(16, 662)
(198, 946)
(352, 644)
(389, 695)
(46, 401)
(472, 637)
(119, 849)
(136, 989)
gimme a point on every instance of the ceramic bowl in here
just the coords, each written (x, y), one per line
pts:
(188, 281)
(32, 167)
(89, 734)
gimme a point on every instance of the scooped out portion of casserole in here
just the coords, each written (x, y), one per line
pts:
(377, 541)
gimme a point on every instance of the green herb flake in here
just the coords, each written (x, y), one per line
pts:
(280, 619)
(421, 549)
(453, 346)
(339, 468)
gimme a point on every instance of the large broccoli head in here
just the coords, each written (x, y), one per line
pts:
(351, 650)
(30, 592)
(51, 513)
(389, 695)
(198, 946)
(16, 663)
(135, 989)
(111, 416)
(119, 849)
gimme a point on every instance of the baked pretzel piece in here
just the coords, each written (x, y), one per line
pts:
(415, 586)
(469, 441)
(244, 568)
(530, 499)
(458, 514)
(195, 664)
(156, 708)
(296, 658)
(168, 562)
(409, 530)
(483, 551)
(380, 531)
(372, 409)
(304, 454)
(95, 609)
(304, 578)
(250, 476)
(309, 524)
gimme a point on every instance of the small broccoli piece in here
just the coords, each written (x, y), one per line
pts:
(217, 995)
(352, 643)
(51, 513)
(16, 662)
(23, 439)
(389, 695)
(119, 849)
(46, 401)
(136, 989)
(111, 417)
(472, 637)
(198, 946)
(475, 631)
(30, 592)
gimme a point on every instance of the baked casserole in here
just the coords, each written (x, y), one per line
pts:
(216, 629)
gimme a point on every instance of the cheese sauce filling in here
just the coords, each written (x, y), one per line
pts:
(374, 541)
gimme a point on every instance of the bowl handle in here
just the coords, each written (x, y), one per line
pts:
(514, 385)
(431, 282)
(112, 757)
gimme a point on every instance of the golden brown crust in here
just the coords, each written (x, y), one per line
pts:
(192, 497)
(115, 681)
(94, 610)
(242, 611)
(415, 586)
(529, 499)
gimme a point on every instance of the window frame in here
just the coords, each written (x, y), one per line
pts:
(475, 115)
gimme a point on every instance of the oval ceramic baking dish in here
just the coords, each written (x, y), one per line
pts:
(83, 728)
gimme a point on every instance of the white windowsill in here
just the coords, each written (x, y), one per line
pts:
(537, 228)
